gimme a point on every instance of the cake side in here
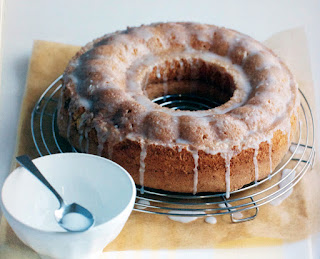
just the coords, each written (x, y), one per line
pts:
(172, 168)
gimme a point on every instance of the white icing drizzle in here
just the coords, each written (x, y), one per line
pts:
(85, 103)
(101, 141)
(158, 73)
(83, 130)
(142, 168)
(195, 156)
(255, 163)
(183, 219)
(227, 159)
(223, 205)
(299, 151)
(287, 175)
(211, 220)
(180, 148)
(236, 215)
(284, 173)
(180, 74)
(142, 204)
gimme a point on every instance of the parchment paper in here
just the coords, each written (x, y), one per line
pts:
(295, 219)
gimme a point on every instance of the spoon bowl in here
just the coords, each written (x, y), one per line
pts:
(72, 217)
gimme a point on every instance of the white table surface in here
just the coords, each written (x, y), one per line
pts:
(77, 22)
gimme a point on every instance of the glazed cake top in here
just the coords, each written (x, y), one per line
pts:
(108, 77)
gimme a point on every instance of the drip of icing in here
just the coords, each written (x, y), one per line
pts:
(223, 205)
(211, 220)
(284, 174)
(102, 138)
(299, 151)
(255, 162)
(290, 174)
(165, 85)
(144, 204)
(86, 103)
(158, 73)
(227, 159)
(180, 148)
(195, 156)
(182, 219)
(82, 129)
(180, 74)
(142, 168)
(236, 215)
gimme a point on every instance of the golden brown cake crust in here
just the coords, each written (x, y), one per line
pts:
(106, 108)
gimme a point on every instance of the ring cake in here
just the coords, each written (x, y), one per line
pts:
(106, 106)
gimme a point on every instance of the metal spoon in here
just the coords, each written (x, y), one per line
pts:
(64, 209)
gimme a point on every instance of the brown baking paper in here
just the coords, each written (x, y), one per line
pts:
(294, 219)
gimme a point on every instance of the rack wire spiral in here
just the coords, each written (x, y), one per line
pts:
(246, 200)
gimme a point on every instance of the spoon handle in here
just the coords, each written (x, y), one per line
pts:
(27, 163)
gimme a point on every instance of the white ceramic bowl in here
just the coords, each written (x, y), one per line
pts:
(98, 184)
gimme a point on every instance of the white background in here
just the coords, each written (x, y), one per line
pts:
(78, 22)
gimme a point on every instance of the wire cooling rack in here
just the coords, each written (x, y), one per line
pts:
(247, 200)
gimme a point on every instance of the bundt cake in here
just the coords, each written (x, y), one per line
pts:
(107, 106)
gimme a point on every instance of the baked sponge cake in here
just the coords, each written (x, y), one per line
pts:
(106, 106)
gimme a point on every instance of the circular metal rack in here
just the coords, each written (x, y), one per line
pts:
(247, 200)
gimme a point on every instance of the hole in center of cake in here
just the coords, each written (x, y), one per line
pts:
(189, 85)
